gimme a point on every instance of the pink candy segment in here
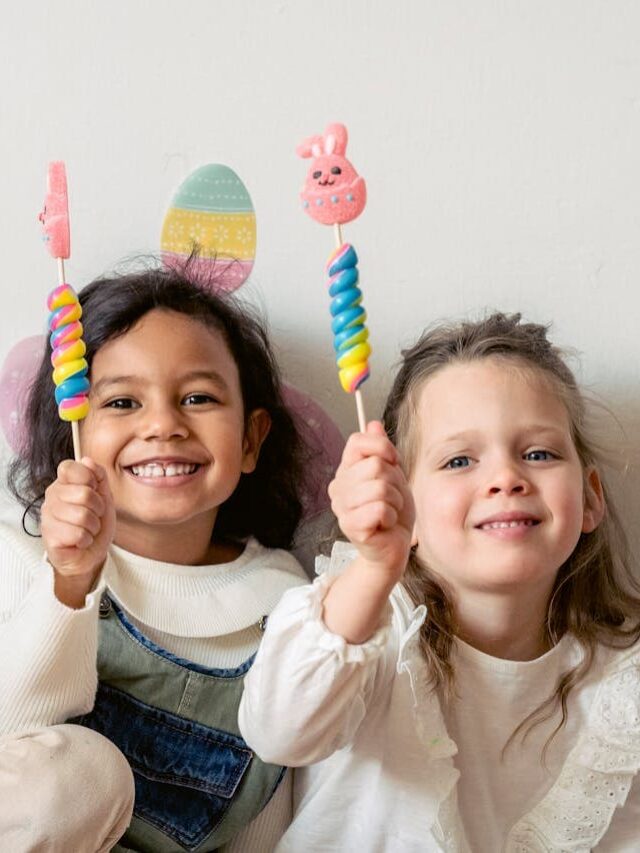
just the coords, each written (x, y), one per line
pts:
(66, 334)
(64, 294)
(333, 192)
(65, 315)
(74, 408)
(68, 352)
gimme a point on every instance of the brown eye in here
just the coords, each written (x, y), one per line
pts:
(336, 170)
(317, 174)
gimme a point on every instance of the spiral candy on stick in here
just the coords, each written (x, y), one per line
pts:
(333, 194)
(351, 336)
(70, 366)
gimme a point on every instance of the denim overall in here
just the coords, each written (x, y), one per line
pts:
(197, 782)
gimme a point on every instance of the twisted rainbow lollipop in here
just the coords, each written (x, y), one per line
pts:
(70, 366)
(333, 194)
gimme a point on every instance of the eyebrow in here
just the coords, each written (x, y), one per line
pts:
(110, 381)
(537, 429)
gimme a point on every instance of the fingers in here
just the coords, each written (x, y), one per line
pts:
(369, 480)
(60, 536)
(75, 473)
(75, 505)
(370, 492)
(373, 442)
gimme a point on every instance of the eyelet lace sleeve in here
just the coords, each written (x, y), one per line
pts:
(597, 775)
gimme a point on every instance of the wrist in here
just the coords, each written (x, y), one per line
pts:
(72, 590)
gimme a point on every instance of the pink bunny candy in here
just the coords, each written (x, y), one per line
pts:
(333, 191)
(55, 213)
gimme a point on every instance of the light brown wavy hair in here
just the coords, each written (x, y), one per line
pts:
(596, 597)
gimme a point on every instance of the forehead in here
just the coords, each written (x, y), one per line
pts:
(164, 339)
(492, 392)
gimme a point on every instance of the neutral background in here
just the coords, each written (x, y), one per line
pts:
(500, 142)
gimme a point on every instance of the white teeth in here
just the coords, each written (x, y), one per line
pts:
(499, 525)
(173, 469)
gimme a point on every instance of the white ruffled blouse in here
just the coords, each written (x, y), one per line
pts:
(380, 769)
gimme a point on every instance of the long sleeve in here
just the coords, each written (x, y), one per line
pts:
(308, 690)
(47, 650)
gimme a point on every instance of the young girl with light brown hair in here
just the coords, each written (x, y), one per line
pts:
(465, 674)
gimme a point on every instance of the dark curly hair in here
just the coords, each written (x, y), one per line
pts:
(266, 503)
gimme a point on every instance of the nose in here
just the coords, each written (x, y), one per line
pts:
(508, 479)
(163, 421)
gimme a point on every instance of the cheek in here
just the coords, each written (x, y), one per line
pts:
(439, 505)
(97, 442)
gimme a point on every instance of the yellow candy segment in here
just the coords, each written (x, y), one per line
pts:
(77, 413)
(70, 353)
(356, 355)
(64, 371)
(351, 377)
(63, 296)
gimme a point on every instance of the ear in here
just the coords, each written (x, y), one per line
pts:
(594, 506)
(257, 429)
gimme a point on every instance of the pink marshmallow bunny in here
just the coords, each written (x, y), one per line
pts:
(55, 213)
(333, 191)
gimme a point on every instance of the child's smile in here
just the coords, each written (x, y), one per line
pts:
(167, 422)
(498, 485)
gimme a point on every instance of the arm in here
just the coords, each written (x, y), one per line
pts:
(325, 653)
(48, 627)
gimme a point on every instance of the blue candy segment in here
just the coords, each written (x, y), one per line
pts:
(344, 300)
(349, 319)
(344, 340)
(343, 281)
(345, 261)
(72, 387)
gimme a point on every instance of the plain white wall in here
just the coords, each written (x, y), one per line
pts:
(500, 142)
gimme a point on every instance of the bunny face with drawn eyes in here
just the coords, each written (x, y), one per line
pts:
(333, 191)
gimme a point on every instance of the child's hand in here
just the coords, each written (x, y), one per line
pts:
(372, 501)
(78, 525)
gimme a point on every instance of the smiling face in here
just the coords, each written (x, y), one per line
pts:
(498, 485)
(167, 422)
(329, 171)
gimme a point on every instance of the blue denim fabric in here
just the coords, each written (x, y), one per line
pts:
(185, 773)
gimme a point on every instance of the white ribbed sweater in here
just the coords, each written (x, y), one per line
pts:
(206, 614)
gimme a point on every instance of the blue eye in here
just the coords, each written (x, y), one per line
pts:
(458, 462)
(539, 456)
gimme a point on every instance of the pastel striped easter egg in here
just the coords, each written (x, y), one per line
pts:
(211, 212)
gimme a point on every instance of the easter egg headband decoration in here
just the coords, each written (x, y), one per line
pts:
(334, 193)
(70, 366)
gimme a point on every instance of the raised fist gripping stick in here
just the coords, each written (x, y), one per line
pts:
(70, 366)
(333, 194)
